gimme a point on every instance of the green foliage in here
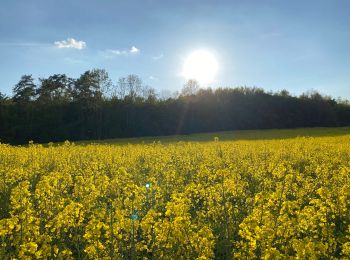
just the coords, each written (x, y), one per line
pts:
(88, 88)
(55, 88)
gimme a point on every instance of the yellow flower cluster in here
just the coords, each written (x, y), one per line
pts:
(271, 199)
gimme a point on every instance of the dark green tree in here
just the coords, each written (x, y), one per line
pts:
(87, 108)
(24, 91)
(3, 97)
(92, 85)
(89, 91)
(55, 88)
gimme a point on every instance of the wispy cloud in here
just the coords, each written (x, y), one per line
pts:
(112, 52)
(116, 52)
(70, 43)
(158, 57)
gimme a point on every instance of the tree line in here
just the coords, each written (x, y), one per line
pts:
(91, 107)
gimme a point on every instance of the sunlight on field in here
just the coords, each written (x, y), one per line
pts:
(243, 199)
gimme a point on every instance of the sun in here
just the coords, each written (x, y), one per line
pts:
(200, 65)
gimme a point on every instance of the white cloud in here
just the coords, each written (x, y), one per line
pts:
(158, 57)
(70, 43)
(110, 52)
(133, 49)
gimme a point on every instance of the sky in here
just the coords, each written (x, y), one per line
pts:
(294, 45)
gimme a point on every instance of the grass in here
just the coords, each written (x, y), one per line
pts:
(232, 135)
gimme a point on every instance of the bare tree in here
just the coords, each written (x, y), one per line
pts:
(134, 86)
(130, 86)
(119, 90)
(190, 88)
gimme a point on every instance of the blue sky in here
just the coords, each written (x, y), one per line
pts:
(293, 45)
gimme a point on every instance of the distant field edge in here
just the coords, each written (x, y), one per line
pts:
(263, 134)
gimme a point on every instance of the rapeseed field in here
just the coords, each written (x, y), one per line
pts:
(271, 199)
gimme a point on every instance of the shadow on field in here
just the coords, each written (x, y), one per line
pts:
(232, 135)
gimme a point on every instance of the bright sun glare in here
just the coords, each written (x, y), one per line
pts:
(200, 65)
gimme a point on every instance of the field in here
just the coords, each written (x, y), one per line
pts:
(233, 135)
(282, 196)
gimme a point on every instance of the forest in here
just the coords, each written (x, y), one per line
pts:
(92, 107)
